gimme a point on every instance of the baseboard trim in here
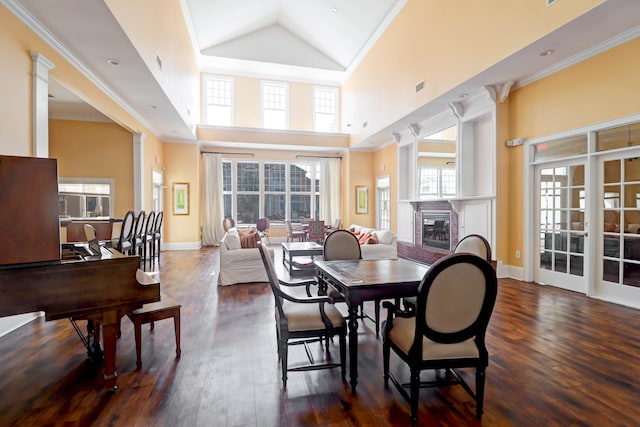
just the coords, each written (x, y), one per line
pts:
(181, 246)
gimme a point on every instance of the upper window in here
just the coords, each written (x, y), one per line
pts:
(325, 109)
(218, 102)
(275, 105)
(437, 183)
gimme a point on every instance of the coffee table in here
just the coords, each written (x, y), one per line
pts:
(291, 250)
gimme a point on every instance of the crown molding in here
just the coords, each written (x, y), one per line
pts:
(579, 57)
(40, 30)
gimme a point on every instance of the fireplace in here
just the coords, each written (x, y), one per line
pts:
(436, 229)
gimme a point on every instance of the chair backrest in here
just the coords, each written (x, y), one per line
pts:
(474, 244)
(273, 279)
(228, 223)
(151, 218)
(315, 231)
(456, 299)
(126, 231)
(139, 228)
(89, 232)
(289, 228)
(157, 225)
(263, 224)
(341, 245)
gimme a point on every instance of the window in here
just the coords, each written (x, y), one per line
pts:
(218, 102)
(325, 109)
(275, 105)
(382, 186)
(437, 183)
(85, 198)
(277, 190)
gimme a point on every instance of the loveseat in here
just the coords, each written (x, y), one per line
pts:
(240, 264)
(375, 244)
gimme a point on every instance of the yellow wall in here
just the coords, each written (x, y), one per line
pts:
(381, 89)
(182, 165)
(95, 150)
(598, 89)
(385, 163)
(357, 170)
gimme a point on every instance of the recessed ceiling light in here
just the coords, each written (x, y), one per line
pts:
(113, 62)
(334, 10)
(547, 52)
(153, 106)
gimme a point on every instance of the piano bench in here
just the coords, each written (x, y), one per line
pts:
(149, 313)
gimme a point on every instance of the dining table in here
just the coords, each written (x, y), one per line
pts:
(367, 280)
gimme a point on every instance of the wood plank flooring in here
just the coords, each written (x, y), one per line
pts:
(556, 359)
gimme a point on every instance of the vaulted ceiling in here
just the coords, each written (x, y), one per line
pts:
(298, 40)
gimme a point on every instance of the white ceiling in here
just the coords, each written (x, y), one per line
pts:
(315, 44)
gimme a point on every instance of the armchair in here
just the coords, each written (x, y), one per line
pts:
(447, 328)
(302, 320)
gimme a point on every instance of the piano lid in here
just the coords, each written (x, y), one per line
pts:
(29, 225)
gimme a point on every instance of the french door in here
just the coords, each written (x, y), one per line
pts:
(562, 225)
(617, 275)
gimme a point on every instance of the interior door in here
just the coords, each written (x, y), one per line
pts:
(618, 251)
(562, 227)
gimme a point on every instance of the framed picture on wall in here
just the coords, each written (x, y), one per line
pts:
(181, 198)
(361, 200)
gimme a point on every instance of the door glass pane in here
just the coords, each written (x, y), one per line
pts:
(620, 137)
(631, 274)
(610, 270)
(561, 148)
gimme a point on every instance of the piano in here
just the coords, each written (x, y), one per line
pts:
(100, 288)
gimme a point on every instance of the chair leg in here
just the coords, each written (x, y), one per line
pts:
(377, 316)
(480, 376)
(415, 395)
(176, 329)
(284, 354)
(343, 355)
(137, 327)
(386, 353)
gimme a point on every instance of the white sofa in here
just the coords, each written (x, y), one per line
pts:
(240, 265)
(386, 248)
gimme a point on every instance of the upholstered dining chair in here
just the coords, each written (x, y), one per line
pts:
(228, 223)
(147, 239)
(262, 226)
(315, 232)
(447, 329)
(294, 234)
(123, 244)
(156, 242)
(344, 245)
(302, 320)
(473, 244)
(138, 231)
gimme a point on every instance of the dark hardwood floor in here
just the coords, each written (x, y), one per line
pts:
(556, 359)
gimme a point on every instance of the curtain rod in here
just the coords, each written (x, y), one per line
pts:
(226, 152)
(319, 157)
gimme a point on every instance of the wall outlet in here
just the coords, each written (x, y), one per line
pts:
(517, 254)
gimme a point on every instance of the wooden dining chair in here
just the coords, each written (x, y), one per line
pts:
(303, 320)
(447, 329)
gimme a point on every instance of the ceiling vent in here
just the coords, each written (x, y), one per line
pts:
(420, 86)
(550, 2)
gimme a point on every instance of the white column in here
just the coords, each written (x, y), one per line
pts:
(40, 112)
(138, 168)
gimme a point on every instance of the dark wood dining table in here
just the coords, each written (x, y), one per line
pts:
(368, 280)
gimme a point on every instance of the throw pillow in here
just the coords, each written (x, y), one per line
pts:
(249, 238)
(363, 239)
(385, 237)
(373, 240)
(232, 240)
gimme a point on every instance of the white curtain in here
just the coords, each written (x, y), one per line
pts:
(213, 209)
(330, 194)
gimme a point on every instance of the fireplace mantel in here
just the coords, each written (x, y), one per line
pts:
(456, 203)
